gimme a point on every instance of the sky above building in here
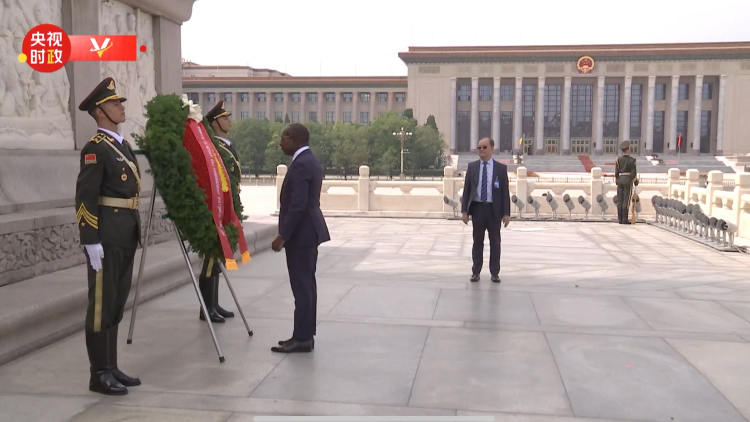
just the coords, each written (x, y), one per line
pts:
(352, 38)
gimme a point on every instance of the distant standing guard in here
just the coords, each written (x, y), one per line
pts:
(107, 203)
(625, 176)
(220, 122)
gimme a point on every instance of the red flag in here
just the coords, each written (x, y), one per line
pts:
(679, 141)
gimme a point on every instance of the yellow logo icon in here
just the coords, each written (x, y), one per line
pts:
(106, 45)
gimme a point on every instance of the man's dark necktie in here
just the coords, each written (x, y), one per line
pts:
(484, 182)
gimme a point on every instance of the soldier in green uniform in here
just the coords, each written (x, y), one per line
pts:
(220, 122)
(625, 176)
(107, 202)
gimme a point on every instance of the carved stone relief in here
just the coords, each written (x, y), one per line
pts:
(34, 112)
(135, 80)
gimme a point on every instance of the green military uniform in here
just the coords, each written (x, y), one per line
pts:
(625, 176)
(209, 277)
(107, 202)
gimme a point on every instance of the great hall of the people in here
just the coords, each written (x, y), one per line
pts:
(555, 99)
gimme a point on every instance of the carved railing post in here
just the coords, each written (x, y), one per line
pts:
(522, 186)
(280, 175)
(715, 183)
(364, 187)
(692, 182)
(449, 187)
(674, 179)
(596, 189)
(741, 187)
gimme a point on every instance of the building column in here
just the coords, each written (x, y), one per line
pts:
(672, 133)
(391, 96)
(565, 124)
(599, 117)
(337, 102)
(453, 115)
(302, 107)
(539, 118)
(355, 107)
(495, 111)
(625, 110)
(285, 105)
(517, 128)
(321, 109)
(373, 103)
(251, 105)
(697, 111)
(236, 106)
(720, 117)
(650, 116)
(269, 107)
(474, 113)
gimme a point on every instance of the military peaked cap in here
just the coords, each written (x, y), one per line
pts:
(217, 111)
(103, 92)
(624, 145)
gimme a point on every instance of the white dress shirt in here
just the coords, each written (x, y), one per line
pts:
(115, 135)
(490, 173)
(226, 141)
(299, 151)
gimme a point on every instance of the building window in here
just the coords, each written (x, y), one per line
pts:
(330, 97)
(485, 124)
(464, 93)
(529, 109)
(279, 97)
(707, 90)
(347, 97)
(330, 117)
(279, 116)
(506, 92)
(463, 133)
(684, 92)
(312, 116)
(194, 97)
(705, 130)
(261, 114)
(244, 97)
(296, 97)
(211, 97)
(295, 117)
(581, 110)
(312, 97)
(659, 132)
(661, 92)
(400, 97)
(364, 117)
(228, 97)
(382, 97)
(347, 117)
(506, 131)
(682, 129)
(636, 105)
(552, 110)
(485, 93)
(244, 115)
(364, 97)
(261, 97)
(611, 111)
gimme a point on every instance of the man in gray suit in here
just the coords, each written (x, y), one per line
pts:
(487, 199)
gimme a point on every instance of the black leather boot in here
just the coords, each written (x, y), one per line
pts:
(125, 380)
(102, 381)
(207, 291)
(223, 312)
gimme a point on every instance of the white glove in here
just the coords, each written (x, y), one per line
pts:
(96, 255)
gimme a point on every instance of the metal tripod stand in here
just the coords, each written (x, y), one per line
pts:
(185, 255)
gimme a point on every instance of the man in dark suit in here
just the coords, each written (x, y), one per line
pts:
(487, 199)
(302, 229)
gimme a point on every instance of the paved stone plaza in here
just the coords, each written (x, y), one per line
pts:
(592, 322)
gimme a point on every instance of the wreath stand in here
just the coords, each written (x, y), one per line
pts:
(204, 309)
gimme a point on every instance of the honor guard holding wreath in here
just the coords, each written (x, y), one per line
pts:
(107, 202)
(221, 124)
(625, 176)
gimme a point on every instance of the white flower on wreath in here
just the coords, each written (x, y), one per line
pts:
(194, 109)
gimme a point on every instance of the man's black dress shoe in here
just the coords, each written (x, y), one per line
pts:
(283, 342)
(294, 346)
(474, 278)
(495, 279)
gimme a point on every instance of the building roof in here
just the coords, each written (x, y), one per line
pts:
(296, 82)
(193, 65)
(560, 53)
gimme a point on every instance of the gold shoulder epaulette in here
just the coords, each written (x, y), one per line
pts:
(98, 138)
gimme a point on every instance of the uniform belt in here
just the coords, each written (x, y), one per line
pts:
(129, 203)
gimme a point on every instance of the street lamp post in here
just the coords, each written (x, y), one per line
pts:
(402, 136)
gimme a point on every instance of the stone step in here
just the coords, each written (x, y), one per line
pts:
(39, 311)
